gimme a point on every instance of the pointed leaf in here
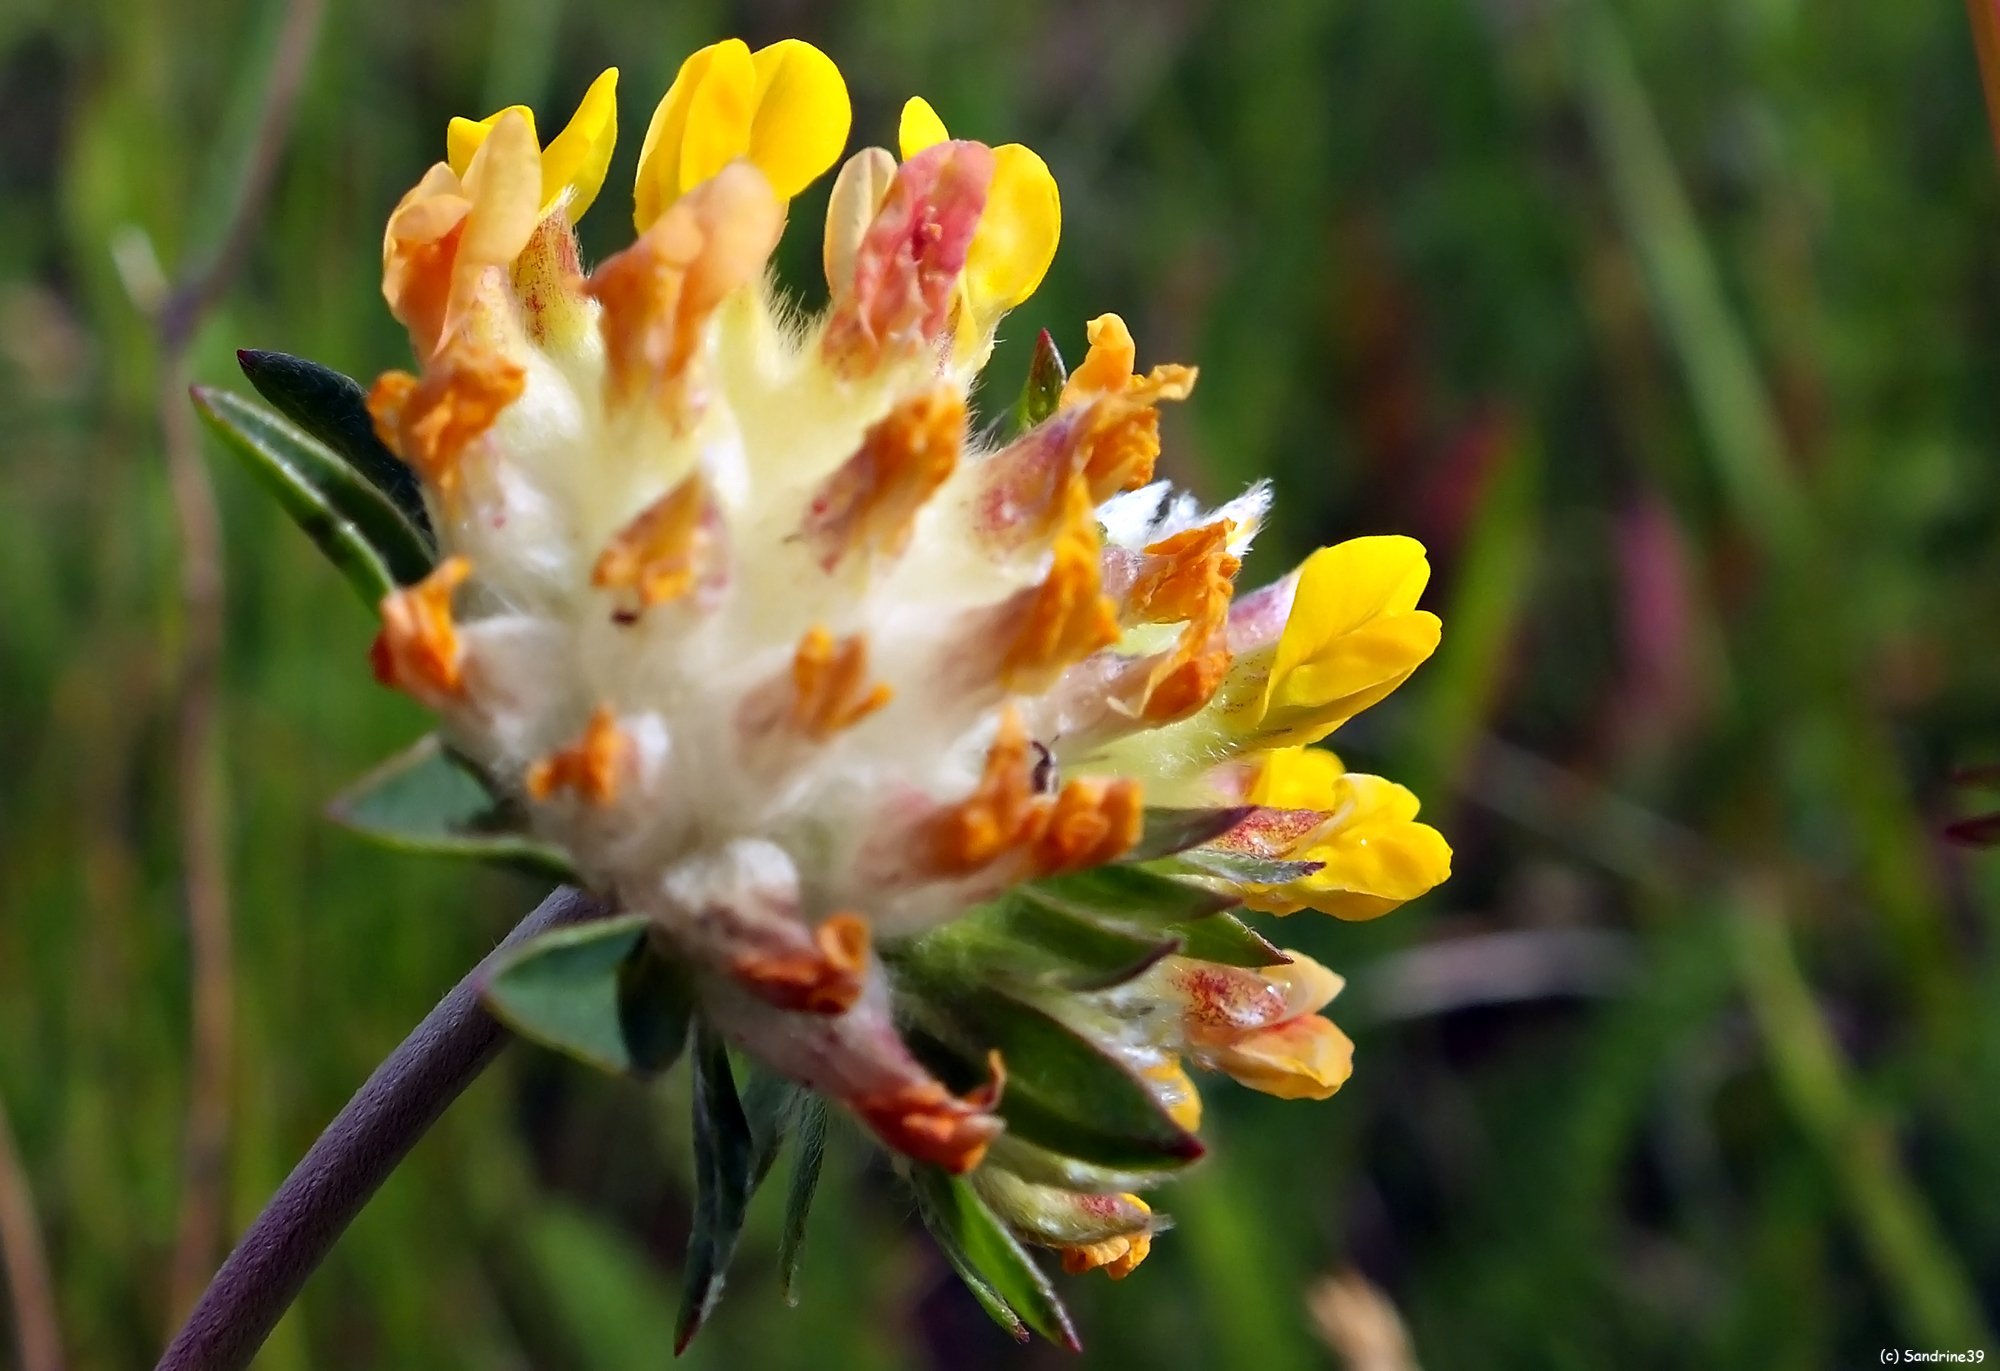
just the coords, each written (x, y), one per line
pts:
(1043, 391)
(1042, 944)
(1240, 867)
(1062, 1092)
(1130, 895)
(562, 990)
(1168, 831)
(992, 1263)
(1227, 939)
(655, 1009)
(353, 523)
(807, 1159)
(1038, 1164)
(427, 800)
(334, 409)
(769, 1104)
(722, 1161)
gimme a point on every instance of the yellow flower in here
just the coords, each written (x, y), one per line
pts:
(1374, 853)
(784, 107)
(1018, 231)
(1273, 1039)
(452, 236)
(574, 162)
(1353, 636)
(1306, 1058)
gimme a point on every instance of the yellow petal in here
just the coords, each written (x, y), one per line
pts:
(573, 164)
(1297, 778)
(504, 183)
(1107, 368)
(1176, 1093)
(920, 127)
(1374, 855)
(1353, 636)
(1017, 234)
(719, 115)
(659, 182)
(785, 107)
(1308, 987)
(801, 115)
(575, 161)
(1306, 1058)
(463, 137)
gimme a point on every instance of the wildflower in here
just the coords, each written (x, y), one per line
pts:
(1360, 832)
(851, 705)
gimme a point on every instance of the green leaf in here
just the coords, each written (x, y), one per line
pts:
(1129, 894)
(1240, 867)
(723, 1151)
(807, 1160)
(769, 1104)
(998, 1271)
(1169, 831)
(655, 1009)
(1044, 944)
(353, 523)
(562, 990)
(1227, 939)
(1038, 1164)
(334, 409)
(1062, 1092)
(1043, 391)
(427, 800)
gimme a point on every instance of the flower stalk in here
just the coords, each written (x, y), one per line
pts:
(366, 1141)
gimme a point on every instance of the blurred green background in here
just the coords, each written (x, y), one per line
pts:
(1671, 326)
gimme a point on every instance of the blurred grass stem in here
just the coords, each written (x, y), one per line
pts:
(347, 1165)
(201, 801)
(1930, 1293)
(30, 1294)
(1897, 1231)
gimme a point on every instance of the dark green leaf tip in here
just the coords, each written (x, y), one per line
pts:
(723, 1156)
(334, 409)
(361, 530)
(1043, 391)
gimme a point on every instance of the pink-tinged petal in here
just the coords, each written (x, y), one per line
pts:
(899, 297)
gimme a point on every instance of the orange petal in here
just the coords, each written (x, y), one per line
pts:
(1067, 617)
(930, 1124)
(429, 422)
(831, 681)
(1183, 576)
(417, 649)
(1107, 367)
(1091, 822)
(667, 550)
(1001, 813)
(826, 978)
(871, 502)
(659, 294)
(591, 766)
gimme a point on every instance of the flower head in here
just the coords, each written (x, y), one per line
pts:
(928, 756)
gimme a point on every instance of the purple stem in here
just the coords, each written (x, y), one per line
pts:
(352, 1158)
